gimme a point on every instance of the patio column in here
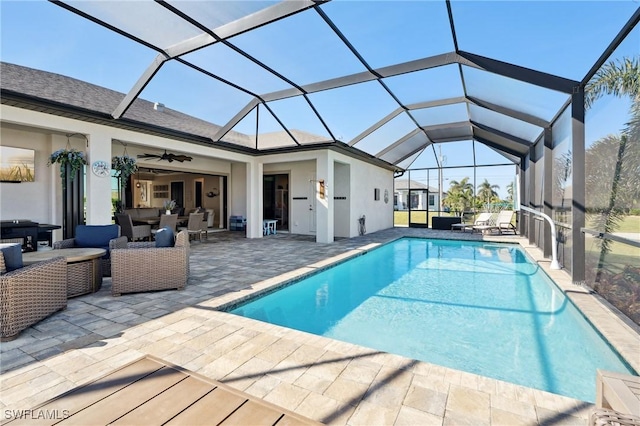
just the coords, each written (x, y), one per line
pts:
(98, 187)
(528, 191)
(324, 198)
(255, 171)
(578, 186)
(523, 197)
(547, 190)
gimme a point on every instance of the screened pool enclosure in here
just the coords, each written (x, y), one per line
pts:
(538, 99)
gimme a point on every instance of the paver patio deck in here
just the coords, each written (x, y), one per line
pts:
(327, 380)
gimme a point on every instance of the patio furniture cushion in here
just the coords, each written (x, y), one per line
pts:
(12, 253)
(97, 236)
(165, 237)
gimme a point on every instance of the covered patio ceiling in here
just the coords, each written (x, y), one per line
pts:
(392, 79)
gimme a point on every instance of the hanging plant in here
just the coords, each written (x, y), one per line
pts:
(68, 156)
(124, 166)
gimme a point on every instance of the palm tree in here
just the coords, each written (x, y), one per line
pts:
(487, 192)
(510, 192)
(619, 78)
(459, 196)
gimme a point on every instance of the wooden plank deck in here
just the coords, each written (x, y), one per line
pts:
(151, 391)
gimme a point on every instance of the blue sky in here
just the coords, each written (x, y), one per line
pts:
(561, 37)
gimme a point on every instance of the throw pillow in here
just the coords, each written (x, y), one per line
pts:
(12, 253)
(164, 237)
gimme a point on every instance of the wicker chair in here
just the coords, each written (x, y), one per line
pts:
(195, 226)
(131, 231)
(141, 266)
(105, 261)
(30, 294)
(166, 220)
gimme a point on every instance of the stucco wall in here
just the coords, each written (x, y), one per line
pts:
(300, 196)
(344, 176)
(360, 179)
(237, 202)
(28, 200)
(364, 178)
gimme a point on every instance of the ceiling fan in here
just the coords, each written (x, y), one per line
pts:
(167, 157)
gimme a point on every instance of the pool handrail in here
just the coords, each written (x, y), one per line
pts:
(554, 249)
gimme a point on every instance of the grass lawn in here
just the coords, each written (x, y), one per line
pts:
(620, 253)
(629, 224)
(401, 218)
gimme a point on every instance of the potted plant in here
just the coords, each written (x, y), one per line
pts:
(124, 166)
(169, 205)
(68, 157)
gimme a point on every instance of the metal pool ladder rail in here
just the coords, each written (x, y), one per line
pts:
(554, 249)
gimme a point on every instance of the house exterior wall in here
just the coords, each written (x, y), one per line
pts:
(300, 217)
(420, 202)
(366, 177)
(45, 133)
(28, 200)
(362, 178)
(237, 201)
(41, 200)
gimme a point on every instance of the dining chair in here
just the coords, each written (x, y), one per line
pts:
(194, 226)
(205, 224)
(133, 233)
(166, 221)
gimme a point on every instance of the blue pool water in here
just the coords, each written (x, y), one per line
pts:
(477, 307)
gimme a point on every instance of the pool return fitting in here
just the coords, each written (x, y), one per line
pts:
(554, 248)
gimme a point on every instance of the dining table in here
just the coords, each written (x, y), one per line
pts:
(154, 221)
(146, 220)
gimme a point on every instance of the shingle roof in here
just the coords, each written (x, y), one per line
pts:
(403, 184)
(69, 91)
(61, 95)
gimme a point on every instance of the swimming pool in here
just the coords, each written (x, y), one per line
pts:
(477, 307)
